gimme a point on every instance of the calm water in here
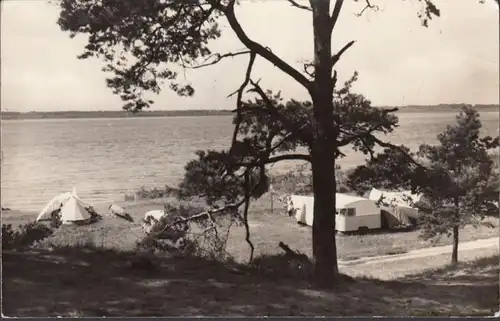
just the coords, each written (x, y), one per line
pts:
(105, 158)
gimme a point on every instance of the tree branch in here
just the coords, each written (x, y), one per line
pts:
(295, 4)
(279, 158)
(336, 57)
(218, 57)
(239, 102)
(336, 13)
(245, 216)
(258, 48)
(367, 6)
(394, 147)
(306, 136)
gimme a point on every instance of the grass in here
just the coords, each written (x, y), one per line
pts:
(91, 281)
(267, 229)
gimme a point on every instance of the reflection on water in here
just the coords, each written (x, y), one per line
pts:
(104, 158)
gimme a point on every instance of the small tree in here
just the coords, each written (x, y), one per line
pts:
(457, 177)
(466, 187)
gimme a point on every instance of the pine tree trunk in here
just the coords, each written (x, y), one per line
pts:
(454, 253)
(324, 247)
(323, 149)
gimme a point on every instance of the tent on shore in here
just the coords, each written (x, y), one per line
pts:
(71, 209)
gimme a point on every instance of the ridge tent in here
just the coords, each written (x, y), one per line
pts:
(74, 211)
(57, 203)
(297, 206)
(399, 205)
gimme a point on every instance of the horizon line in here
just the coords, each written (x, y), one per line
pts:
(229, 110)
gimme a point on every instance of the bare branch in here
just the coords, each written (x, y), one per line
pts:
(336, 57)
(399, 149)
(336, 13)
(352, 137)
(239, 102)
(334, 79)
(208, 214)
(275, 159)
(295, 4)
(245, 216)
(368, 5)
(306, 67)
(216, 58)
(258, 48)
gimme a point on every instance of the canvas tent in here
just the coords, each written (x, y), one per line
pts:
(73, 211)
(398, 208)
(353, 212)
(151, 218)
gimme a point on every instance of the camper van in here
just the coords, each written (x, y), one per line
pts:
(353, 213)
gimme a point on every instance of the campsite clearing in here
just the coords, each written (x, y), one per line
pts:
(267, 228)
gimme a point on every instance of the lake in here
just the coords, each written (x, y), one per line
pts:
(105, 158)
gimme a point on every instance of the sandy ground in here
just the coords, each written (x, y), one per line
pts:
(389, 267)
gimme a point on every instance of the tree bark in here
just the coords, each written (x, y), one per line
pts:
(454, 253)
(323, 150)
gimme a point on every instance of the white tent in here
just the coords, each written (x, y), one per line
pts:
(301, 205)
(74, 211)
(151, 218)
(397, 203)
(401, 199)
(353, 212)
(57, 203)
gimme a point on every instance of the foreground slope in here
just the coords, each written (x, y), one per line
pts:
(96, 282)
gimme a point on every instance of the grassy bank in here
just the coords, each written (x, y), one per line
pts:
(96, 282)
(268, 227)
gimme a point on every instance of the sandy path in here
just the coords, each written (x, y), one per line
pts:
(395, 266)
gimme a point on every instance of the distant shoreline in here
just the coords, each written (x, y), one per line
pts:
(10, 115)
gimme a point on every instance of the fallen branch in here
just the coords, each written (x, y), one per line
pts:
(293, 254)
(208, 214)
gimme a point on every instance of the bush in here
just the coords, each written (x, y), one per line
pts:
(155, 193)
(26, 235)
(201, 237)
(299, 181)
(282, 266)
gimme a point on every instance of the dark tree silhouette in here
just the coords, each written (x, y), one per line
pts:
(145, 43)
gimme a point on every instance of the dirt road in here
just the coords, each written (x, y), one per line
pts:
(389, 267)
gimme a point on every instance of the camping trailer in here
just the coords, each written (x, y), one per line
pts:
(353, 212)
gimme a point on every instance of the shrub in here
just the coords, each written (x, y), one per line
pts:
(299, 181)
(203, 237)
(155, 193)
(27, 234)
(282, 266)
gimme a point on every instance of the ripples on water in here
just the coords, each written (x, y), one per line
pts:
(104, 158)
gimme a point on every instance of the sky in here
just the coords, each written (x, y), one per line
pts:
(454, 60)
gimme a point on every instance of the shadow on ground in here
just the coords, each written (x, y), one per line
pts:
(91, 282)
